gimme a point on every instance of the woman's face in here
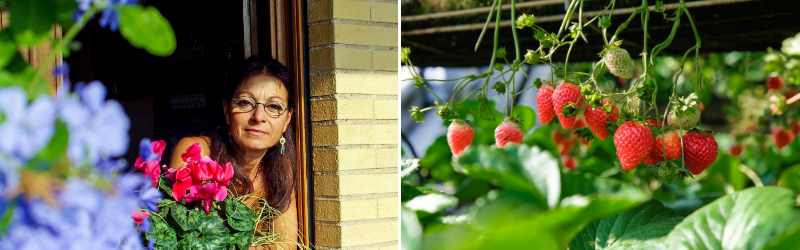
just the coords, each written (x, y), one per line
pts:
(255, 130)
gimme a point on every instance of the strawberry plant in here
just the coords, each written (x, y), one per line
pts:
(662, 182)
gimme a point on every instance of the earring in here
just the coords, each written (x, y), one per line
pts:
(230, 140)
(283, 141)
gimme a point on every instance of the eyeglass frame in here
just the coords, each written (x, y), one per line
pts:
(285, 108)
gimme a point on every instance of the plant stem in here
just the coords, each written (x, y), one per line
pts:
(485, 26)
(514, 28)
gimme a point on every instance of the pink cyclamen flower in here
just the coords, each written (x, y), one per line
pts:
(206, 193)
(183, 181)
(192, 153)
(139, 216)
(222, 173)
(200, 171)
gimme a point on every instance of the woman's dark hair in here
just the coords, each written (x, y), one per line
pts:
(278, 171)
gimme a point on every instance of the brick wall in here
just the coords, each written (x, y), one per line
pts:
(354, 110)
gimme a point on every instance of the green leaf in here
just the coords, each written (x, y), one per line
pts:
(430, 203)
(410, 230)
(163, 234)
(32, 20)
(604, 22)
(417, 114)
(188, 220)
(790, 178)
(649, 220)
(500, 53)
(242, 240)
(64, 9)
(214, 234)
(520, 168)
(8, 213)
(186, 234)
(57, 146)
(8, 49)
(469, 189)
(188, 243)
(723, 175)
(526, 115)
(747, 219)
(238, 210)
(408, 167)
(241, 225)
(165, 184)
(146, 28)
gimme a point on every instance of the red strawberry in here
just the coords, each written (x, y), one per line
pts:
(567, 145)
(782, 137)
(597, 118)
(795, 127)
(566, 93)
(672, 142)
(558, 137)
(790, 92)
(736, 149)
(569, 162)
(579, 123)
(774, 82)
(508, 131)
(653, 123)
(459, 136)
(700, 151)
(634, 142)
(544, 104)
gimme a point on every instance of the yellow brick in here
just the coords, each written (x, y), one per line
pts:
(335, 211)
(388, 157)
(387, 207)
(320, 35)
(385, 109)
(350, 134)
(355, 235)
(319, 10)
(384, 60)
(384, 12)
(355, 109)
(323, 110)
(334, 185)
(324, 135)
(321, 59)
(344, 159)
(352, 59)
(350, 83)
(392, 247)
(351, 9)
(344, 33)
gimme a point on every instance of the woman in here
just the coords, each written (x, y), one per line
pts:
(257, 138)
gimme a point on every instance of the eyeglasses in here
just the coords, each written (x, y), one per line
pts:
(247, 104)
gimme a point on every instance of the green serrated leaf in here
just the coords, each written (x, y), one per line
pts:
(242, 240)
(188, 243)
(408, 167)
(214, 233)
(647, 221)
(241, 225)
(417, 114)
(187, 219)
(238, 210)
(163, 234)
(165, 184)
(604, 22)
(146, 28)
(500, 52)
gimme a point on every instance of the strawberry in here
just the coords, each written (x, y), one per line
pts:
(653, 122)
(597, 119)
(668, 174)
(774, 82)
(508, 131)
(565, 94)
(558, 137)
(569, 162)
(795, 127)
(736, 149)
(782, 137)
(689, 120)
(619, 62)
(579, 124)
(672, 142)
(459, 136)
(544, 104)
(567, 145)
(634, 142)
(700, 151)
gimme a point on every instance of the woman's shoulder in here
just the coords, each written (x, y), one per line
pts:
(185, 143)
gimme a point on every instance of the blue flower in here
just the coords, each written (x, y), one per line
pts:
(62, 70)
(98, 128)
(25, 129)
(141, 187)
(146, 150)
(110, 16)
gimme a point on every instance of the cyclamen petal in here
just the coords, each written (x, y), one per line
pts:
(227, 174)
(222, 193)
(158, 148)
(200, 172)
(192, 153)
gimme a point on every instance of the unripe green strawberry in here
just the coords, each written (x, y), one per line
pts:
(566, 93)
(459, 136)
(699, 151)
(508, 131)
(598, 119)
(672, 142)
(544, 104)
(634, 142)
(689, 119)
(619, 62)
(668, 174)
